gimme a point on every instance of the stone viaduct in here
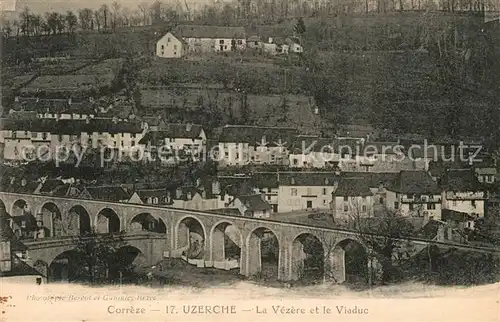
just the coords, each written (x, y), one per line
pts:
(159, 232)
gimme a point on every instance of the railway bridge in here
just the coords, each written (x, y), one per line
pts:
(206, 239)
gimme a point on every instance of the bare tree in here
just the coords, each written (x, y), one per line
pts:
(86, 19)
(384, 235)
(115, 6)
(98, 19)
(104, 9)
(143, 7)
(71, 22)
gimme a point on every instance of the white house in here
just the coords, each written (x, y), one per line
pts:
(267, 184)
(170, 140)
(171, 46)
(352, 199)
(415, 194)
(52, 108)
(50, 138)
(240, 145)
(313, 152)
(252, 206)
(306, 190)
(294, 45)
(204, 38)
(463, 193)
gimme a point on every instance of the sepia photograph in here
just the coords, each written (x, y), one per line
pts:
(199, 160)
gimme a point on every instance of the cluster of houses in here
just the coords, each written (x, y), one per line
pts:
(188, 39)
(337, 175)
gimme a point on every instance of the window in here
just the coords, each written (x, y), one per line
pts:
(346, 208)
(44, 136)
(431, 206)
(268, 189)
(454, 203)
(268, 197)
(256, 43)
(132, 135)
(175, 53)
(324, 191)
(169, 39)
(240, 42)
(221, 42)
(396, 205)
(473, 202)
(162, 47)
(363, 208)
(225, 47)
(412, 206)
(294, 192)
(60, 137)
(133, 143)
(175, 47)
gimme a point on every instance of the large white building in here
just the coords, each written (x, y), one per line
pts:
(200, 38)
(46, 139)
(240, 145)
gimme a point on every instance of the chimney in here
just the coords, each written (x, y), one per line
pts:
(87, 120)
(115, 119)
(69, 101)
(24, 182)
(189, 126)
(16, 99)
(91, 99)
(178, 193)
(38, 99)
(270, 40)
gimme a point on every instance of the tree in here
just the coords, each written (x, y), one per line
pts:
(97, 253)
(104, 11)
(71, 21)
(143, 7)
(300, 27)
(25, 21)
(116, 11)
(86, 19)
(98, 19)
(384, 235)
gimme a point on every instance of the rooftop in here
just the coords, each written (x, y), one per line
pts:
(204, 31)
(253, 202)
(257, 134)
(414, 182)
(352, 187)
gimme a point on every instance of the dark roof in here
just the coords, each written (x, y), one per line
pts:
(202, 31)
(253, 202)
(234, 186)
(352, 187)
(382, 147)
(453, 215)
(460, 180)
(72, 127)
(110, 193)
(308, 178)
(265, 180)
(430, 230)
(303, 143)
(255, 134)
(53, 105)
(372, 179)
(184, 131)
(414, 182)
(50, 185)
(355, 131)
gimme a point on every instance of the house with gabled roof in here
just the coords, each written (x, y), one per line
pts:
(171, 46)
(110, 193)
(251, 206)
(306, 190)
(462, 192)
(352, 199)
(313, 152)
(415, 194)
(204, 38)
(170, 139)
(241, 144)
